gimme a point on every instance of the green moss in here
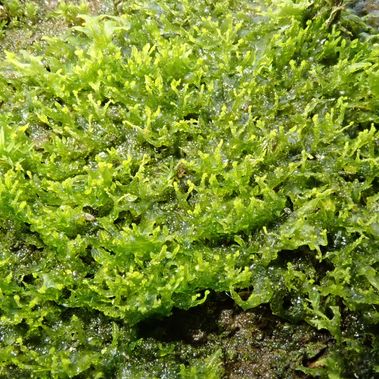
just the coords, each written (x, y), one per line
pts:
(182, 148)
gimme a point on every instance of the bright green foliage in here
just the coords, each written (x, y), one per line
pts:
(181, 148)
(16, 11)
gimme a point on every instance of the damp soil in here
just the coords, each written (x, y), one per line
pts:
(252, 344)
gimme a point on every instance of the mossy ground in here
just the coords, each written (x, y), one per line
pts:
(216, 338)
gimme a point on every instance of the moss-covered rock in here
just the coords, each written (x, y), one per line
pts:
(179, 149)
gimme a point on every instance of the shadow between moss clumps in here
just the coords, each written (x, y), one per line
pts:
(253, 343)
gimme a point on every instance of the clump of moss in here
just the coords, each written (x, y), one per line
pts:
(182, 148)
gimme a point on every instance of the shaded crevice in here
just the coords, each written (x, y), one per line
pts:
(253, 343)
(187, 326)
